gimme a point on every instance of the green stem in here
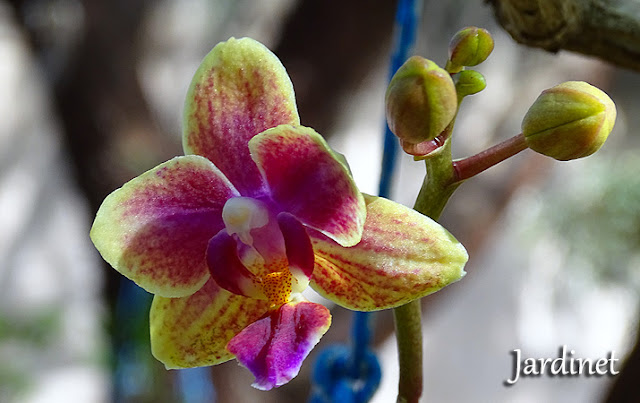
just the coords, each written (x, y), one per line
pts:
(443, 177)
(407, 320)
(439, 185)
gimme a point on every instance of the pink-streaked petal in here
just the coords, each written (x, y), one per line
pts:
(227, 270)
(298, 246)
(239, 90)
(308, 180)
(274, 347)
(403, 255)
(155, 229)
(193, 331)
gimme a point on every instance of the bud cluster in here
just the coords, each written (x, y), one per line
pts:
(571, 120)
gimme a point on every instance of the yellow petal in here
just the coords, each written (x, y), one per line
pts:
(403, 255)
(194, 331)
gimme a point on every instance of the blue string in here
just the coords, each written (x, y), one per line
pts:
(406, 27)
(352, 375)
(132, 376)
(195, 386)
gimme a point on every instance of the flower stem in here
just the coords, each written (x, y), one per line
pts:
(471, 166)
(439, 183)
(407, 319)
(443, 177)
(438, 186)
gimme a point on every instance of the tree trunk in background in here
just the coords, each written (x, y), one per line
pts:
(607, 29)
(97, 95)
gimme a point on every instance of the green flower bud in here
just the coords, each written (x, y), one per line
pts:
(421, 101)
(571, 120)
(470, 82)
(469, 47)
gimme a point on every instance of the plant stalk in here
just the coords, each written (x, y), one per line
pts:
(471, 166)
(443, 177)
(438, 186)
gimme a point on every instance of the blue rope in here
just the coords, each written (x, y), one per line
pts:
(132, 376)
(406, 27)
(352, 375)
(195, 385)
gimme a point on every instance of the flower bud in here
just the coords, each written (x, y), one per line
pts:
(421, 101)
(469, 47)
(470, 82)
(571, 120)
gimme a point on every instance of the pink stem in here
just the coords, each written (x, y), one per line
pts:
(471, 166)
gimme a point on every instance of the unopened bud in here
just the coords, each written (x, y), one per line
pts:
(470, 82)
(469, 47)
(421, 101)
(571, 120)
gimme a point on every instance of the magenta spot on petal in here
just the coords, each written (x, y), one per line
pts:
(171, 249)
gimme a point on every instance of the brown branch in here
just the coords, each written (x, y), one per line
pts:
(606, 29)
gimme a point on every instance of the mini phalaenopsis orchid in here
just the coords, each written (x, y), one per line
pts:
(228, 236)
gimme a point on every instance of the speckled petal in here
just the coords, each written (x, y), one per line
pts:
(308, 180)
(194, 331)
(239, 90)
(155, 229)
(403, 255)
(274, 347)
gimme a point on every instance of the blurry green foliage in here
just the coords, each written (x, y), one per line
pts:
(25, 333)
(596, 215)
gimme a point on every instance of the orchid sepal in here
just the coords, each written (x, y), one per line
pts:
(403, 256)
(240, 89)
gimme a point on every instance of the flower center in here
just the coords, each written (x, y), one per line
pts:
(261, 247)
(277, 287)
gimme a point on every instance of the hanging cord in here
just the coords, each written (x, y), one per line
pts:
(352, 374)
(406, 28)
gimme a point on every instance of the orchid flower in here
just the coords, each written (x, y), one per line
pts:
(228, 236)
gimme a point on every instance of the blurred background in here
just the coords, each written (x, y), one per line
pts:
(91, 95)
